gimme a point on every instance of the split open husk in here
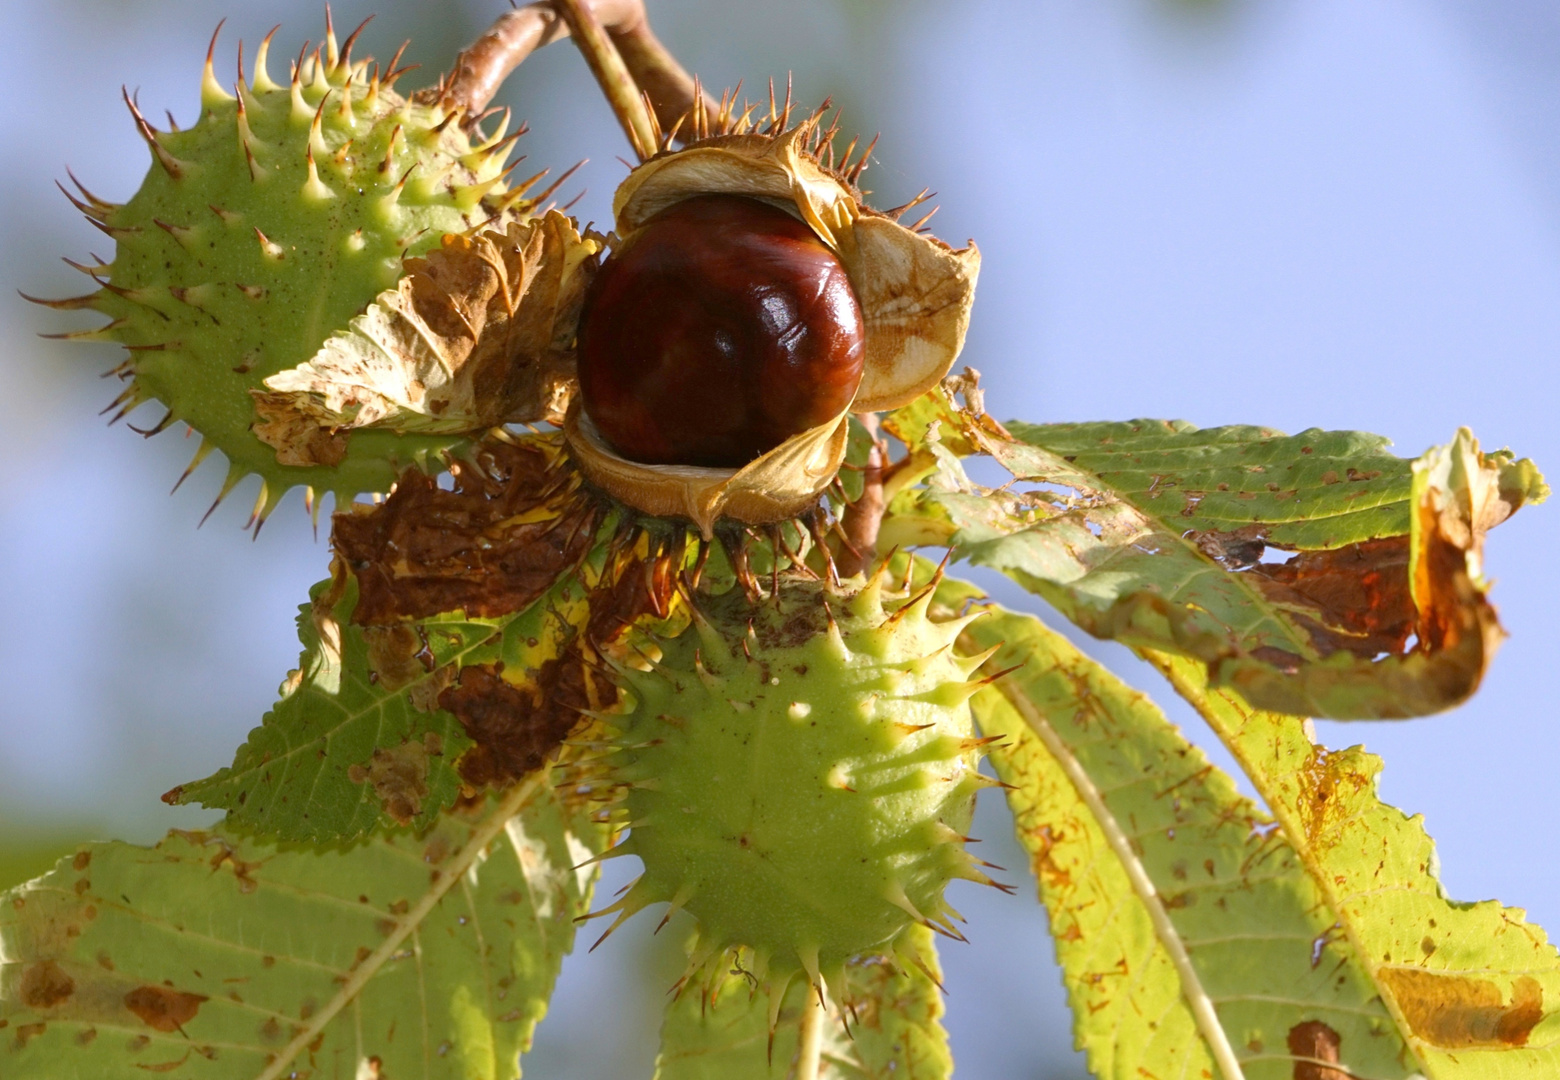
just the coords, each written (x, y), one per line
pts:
(915, 294)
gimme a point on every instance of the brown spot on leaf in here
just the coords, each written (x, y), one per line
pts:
(242, 870)
(1456, 1012)
(515, 728)
(424, 695)
(82, 860)
(1232, 550)
(44, 985)
(1317, 1045)
(397, 654)
(163, 1008)
(26, 1032)
(297, 438)
(399, 776)
(513, 523)
(165, 1066)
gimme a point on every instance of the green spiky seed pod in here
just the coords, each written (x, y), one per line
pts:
(800, 776)
(265, 228)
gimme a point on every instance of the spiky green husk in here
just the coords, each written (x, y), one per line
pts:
(265, 228)
(799, 777)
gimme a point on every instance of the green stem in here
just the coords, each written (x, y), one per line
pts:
(810, 1048)
(606, 63)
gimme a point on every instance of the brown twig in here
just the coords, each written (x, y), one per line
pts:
(481, 69)
(863, 517)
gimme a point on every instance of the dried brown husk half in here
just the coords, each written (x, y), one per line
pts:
(477, 333)
(772, 487)
(915, 293)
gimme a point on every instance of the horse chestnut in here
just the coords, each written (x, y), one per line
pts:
(720, 329)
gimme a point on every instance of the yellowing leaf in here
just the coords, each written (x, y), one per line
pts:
(1474, 988)
(1192, 939)
(477, 333)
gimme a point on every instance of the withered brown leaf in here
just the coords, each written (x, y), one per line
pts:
(477, 333)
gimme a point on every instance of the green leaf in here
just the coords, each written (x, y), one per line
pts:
(1193, 941)
(358, 741)
(857, 446)
(1315, 490)
(213, 956)
(1365, 622)
(364, 736)
(1475, 988)
(721, 1032)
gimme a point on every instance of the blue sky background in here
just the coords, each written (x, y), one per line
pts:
(1331, 213)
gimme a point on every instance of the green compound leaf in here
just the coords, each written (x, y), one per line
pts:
(209, 956)
(372, 730)
(1475, 988)
(721, 1032)
(1381, 614)
(1192, 939)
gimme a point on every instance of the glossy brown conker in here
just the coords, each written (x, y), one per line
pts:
(722, 327)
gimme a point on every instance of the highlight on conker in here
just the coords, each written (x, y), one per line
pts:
(719, 329)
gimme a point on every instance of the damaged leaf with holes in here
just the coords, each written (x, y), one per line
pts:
(1154, 534)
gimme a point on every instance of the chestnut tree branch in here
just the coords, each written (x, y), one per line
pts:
(482, 67)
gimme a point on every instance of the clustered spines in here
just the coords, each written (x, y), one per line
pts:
(250, 216)
(865, 701)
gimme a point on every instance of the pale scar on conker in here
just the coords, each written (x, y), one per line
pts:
(719, 329)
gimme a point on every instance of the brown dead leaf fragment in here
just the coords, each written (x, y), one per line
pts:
(514, 522)
(399, 776)
(1355, 597)
(1454, 1012)
(516, 728)
(45, 985)
(397, 654)
(477, 333)
(1316, 1046)
(163, 1008)
(297, 439)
